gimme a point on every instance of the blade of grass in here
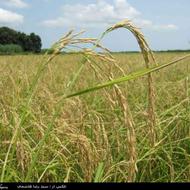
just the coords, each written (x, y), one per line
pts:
(66, 180)
(99, 172)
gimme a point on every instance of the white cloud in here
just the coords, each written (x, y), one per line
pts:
(100, 14)
(15, 3)
(168, 26)
(9, 17)
(150, 25)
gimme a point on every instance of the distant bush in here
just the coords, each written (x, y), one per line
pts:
(51, 51)
(48, 51)
(10, 49)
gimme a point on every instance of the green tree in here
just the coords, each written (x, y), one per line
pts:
(29, 43)
(8, 36)
(36, 44)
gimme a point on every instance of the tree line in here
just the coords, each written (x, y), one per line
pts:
(12, 41)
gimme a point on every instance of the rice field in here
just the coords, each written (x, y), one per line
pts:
(95, 117)
(86, 138)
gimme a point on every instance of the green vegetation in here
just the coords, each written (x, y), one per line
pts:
(10, 49)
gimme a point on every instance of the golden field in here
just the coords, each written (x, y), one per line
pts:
(45, 137)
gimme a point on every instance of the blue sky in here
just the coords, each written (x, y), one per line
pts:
(165, 23)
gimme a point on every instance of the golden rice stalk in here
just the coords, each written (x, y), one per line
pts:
(88, 156)
(99, 77)
(71, 40)
(148, 58)
(22, 155)
(128, 120)
(100, 72)
(147, 53)
(131, 136)
(102, 57)
(102, 141)
(66, 40)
